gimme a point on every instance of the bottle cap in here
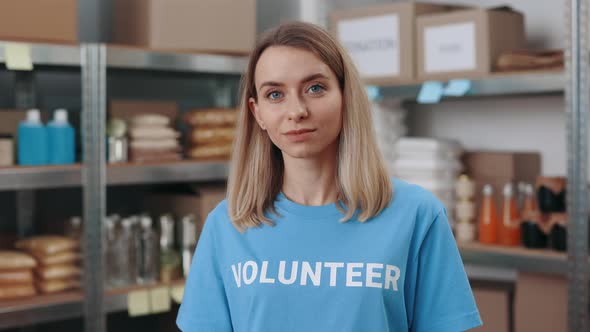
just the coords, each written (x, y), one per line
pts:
(60, 116)
(488, 190)
(508, 190)
(146, 222)
(34, 115)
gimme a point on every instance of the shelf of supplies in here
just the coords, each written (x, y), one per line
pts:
(66, 305)
(41, 309)
(497, 84)
(40, 177)
(543, 261)
(49, 177)
(180, 171)
(59, 55)
(117, 299)
(138, 58)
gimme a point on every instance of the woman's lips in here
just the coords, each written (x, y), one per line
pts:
(299, 135)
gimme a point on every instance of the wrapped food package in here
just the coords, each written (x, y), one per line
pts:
(210, 152)
(58, 285)
(63, 271)
(200, 136)
(17, 291)
(212, 118)
(48, 244)
(65, 257)
(16, 277)
(13, 260)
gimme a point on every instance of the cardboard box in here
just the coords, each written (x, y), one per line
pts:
(127, 109)
(39, 20)
(466, 43)
(499, 168)
(225, 26)
(381, 39)
(494, 309)
(540, 303)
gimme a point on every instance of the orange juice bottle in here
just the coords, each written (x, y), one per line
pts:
(488, 219)
(510, 226)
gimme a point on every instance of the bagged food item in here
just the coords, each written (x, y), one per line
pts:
(64, 257)
(212, 118)
(210, 152)
(58, 285)
(155, 144)
(12, 277)
(48, 244)
(13, 260)
(62, 271)
(201, 136)
(16, 291)
(154, 133)
(150, 120)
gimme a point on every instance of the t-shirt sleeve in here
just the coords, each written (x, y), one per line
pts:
(204, 305)
(440, 297)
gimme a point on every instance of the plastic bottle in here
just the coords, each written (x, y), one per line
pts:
(170, 260)
(488, 219)
(510, 226)
(149, 260)
(189, 241)
(530, 228)
(61, 139)
(32, 140)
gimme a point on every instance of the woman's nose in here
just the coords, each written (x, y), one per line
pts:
(297, 109)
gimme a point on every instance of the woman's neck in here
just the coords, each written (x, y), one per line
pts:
(310, 181)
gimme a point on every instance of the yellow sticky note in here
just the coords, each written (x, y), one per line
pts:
(176, 293)
(159, 300)
(18, 56)
(138, 303)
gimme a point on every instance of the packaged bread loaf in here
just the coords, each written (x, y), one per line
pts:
(12, 277)
(210, 152)
(14, 260)
(64, 257)
(63, 271)
(150, 120)
(16, 291)
(212, 118)
(59, 285)
(47, 244)
(200, 136)
(153, 133)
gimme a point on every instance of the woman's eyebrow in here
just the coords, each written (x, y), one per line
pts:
(304, 80)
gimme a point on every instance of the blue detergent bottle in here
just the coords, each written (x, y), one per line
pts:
(61, 141)
(32, 140)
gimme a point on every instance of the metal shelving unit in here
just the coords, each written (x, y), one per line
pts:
(94, 175)
(67, 305)
(498, 84)
(52, 177)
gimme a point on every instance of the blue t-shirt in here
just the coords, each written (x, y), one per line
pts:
(400, 271)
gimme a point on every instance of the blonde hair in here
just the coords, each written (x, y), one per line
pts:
(256, 169)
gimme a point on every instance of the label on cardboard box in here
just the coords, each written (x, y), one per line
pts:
(373, 44)
(449, 47)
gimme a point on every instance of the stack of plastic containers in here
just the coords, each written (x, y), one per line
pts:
(389, 122)
(431, 163)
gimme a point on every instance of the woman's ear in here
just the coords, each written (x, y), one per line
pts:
(253, 106)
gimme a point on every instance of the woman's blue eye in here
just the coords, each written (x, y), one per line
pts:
(274, 95)
(316, 88)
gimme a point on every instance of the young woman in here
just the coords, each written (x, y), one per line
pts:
(314, 235)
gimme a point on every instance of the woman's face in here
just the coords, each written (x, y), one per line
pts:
(299, 102)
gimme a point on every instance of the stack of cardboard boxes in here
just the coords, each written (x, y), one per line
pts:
(404, 42)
